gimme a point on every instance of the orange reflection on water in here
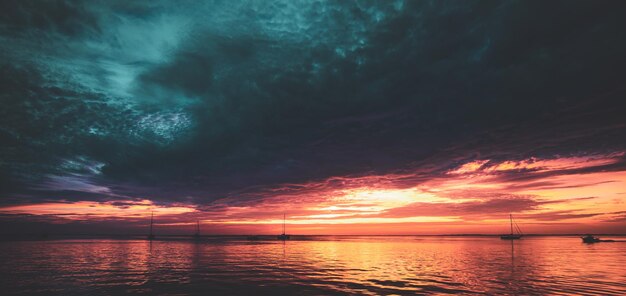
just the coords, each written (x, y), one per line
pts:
(319, 265)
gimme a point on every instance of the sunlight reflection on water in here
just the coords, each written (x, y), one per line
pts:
(315, 265)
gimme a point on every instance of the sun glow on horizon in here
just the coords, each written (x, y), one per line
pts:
(475, 193)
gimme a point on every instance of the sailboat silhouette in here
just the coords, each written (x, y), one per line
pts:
(197, 234)
(512, 235)
(283, 236)
(151, 235)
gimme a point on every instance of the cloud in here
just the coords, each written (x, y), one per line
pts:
(558, 215)
(616, 217)
(63, 17)
(243, 102)
(493, 208)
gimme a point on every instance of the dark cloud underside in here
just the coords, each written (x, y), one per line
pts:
(194, 102)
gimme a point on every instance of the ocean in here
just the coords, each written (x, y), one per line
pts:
(314, 265)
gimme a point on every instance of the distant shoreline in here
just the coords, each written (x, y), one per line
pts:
(14, 237)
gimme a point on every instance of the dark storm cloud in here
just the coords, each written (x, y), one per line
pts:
(193, 102)
(65, 17)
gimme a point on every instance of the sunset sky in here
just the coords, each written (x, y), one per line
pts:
(349, 117)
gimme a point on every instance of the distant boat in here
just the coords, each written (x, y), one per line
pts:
(197, 234)
(283, 236)
(512, 235)
(590, 239)
(151, 235)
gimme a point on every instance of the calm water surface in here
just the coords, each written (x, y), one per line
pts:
(314, 266)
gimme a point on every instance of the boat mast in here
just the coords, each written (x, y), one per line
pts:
(511, 219)
(197, 227)
(283, 223)
(151, 221)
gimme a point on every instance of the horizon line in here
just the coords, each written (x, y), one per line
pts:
(299, 235)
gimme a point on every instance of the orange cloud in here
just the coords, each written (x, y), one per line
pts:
(546, 195)
(96, 210)
(536, 164)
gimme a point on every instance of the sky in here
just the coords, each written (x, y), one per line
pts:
(348, 117)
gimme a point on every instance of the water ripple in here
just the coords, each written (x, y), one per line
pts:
(314, 266)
